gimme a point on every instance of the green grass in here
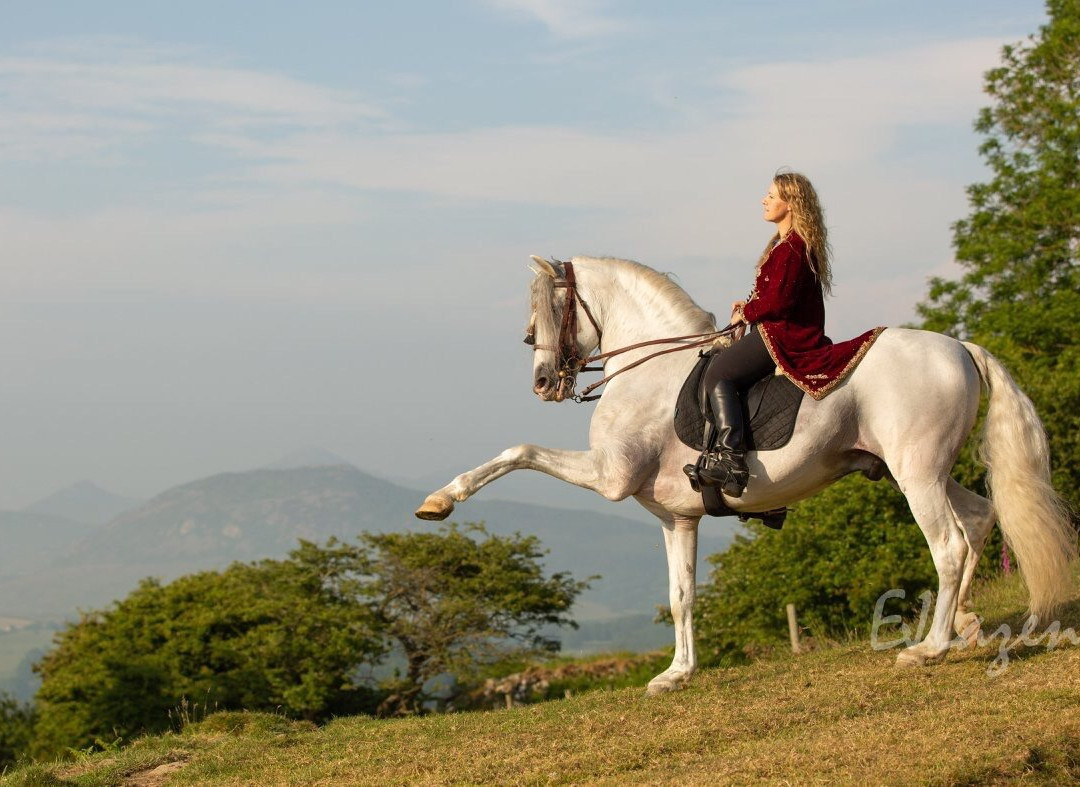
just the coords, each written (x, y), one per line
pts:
(837, 714)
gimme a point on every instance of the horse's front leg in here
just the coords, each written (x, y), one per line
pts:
(604, 471)
(680, 540)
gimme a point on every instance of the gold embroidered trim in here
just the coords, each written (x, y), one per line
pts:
(766, 258)
(820, 393)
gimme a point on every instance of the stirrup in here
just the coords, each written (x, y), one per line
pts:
(729, 472)
(692, 472)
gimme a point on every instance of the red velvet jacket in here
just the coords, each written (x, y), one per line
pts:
(788, 307)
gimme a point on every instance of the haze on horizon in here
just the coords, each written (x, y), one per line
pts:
(231, 231)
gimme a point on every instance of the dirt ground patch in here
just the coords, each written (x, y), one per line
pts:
(153, 776)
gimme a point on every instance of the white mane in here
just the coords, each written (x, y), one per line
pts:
(657, 291)
(653, 292)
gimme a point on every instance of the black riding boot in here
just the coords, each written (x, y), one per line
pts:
(725, 459)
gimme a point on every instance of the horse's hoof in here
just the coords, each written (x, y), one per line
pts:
(907, 660)
(663, 685)
(912, 658)
(970, 634)
(437, 506)
(655, 689)
(967, 627)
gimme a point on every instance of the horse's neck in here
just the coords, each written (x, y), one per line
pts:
(632, 309)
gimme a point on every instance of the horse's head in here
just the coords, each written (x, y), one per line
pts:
(561, 330)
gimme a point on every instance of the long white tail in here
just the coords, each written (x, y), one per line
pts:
(1033, 517)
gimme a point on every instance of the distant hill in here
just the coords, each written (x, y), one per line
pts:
(84, 502)
(245, 516)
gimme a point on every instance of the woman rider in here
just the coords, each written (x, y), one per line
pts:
(782, 325)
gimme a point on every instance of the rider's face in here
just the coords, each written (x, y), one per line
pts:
(776, 209)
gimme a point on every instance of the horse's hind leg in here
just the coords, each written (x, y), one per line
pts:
(931, 508)
(605, 472)
(975, 515)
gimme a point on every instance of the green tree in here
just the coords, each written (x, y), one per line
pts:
(272, 635)
(455, 605)
(1019, 294)
(16, 729)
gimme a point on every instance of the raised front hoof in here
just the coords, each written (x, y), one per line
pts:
(436, 507)
(662, 684)
(911, 658)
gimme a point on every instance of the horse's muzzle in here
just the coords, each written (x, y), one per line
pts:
(554, 388)
(544, 388)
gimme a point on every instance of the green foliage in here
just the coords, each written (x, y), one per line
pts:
(16, 730)
(1019, 294)
(457, 605)
(836, 554)
(275, 634)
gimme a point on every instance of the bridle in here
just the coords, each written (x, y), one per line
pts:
(568, 359)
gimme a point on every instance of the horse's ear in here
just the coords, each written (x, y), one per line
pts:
(545, 266)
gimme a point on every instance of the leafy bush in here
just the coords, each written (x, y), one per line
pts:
(278, 634)
(16, 729)
(837, 553)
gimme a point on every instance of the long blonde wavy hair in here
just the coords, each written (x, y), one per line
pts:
(808, 219)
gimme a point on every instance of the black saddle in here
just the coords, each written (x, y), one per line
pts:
(770, 408)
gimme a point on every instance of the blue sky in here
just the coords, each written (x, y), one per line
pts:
(232, 229)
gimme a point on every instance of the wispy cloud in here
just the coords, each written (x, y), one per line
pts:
(75, 101)
(570, 19)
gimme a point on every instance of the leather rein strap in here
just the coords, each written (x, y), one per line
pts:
(571, 362)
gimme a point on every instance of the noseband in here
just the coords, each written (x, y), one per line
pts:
(569, 360)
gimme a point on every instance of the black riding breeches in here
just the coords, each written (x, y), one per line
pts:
(743, 363)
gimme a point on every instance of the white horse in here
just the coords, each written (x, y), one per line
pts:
(911, 403)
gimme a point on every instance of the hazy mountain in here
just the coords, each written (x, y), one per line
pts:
(243, 516)
(84, 502)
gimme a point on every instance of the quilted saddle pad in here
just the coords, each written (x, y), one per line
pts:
(770, 408)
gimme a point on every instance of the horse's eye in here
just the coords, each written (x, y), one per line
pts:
(530, 338)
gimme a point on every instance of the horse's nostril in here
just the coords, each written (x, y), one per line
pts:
(541, 384)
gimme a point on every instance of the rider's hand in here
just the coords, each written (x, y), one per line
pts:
(736, 312)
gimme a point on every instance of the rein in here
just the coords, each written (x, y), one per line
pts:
(571, 362)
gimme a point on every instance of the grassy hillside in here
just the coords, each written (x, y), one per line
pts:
(840, 713)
